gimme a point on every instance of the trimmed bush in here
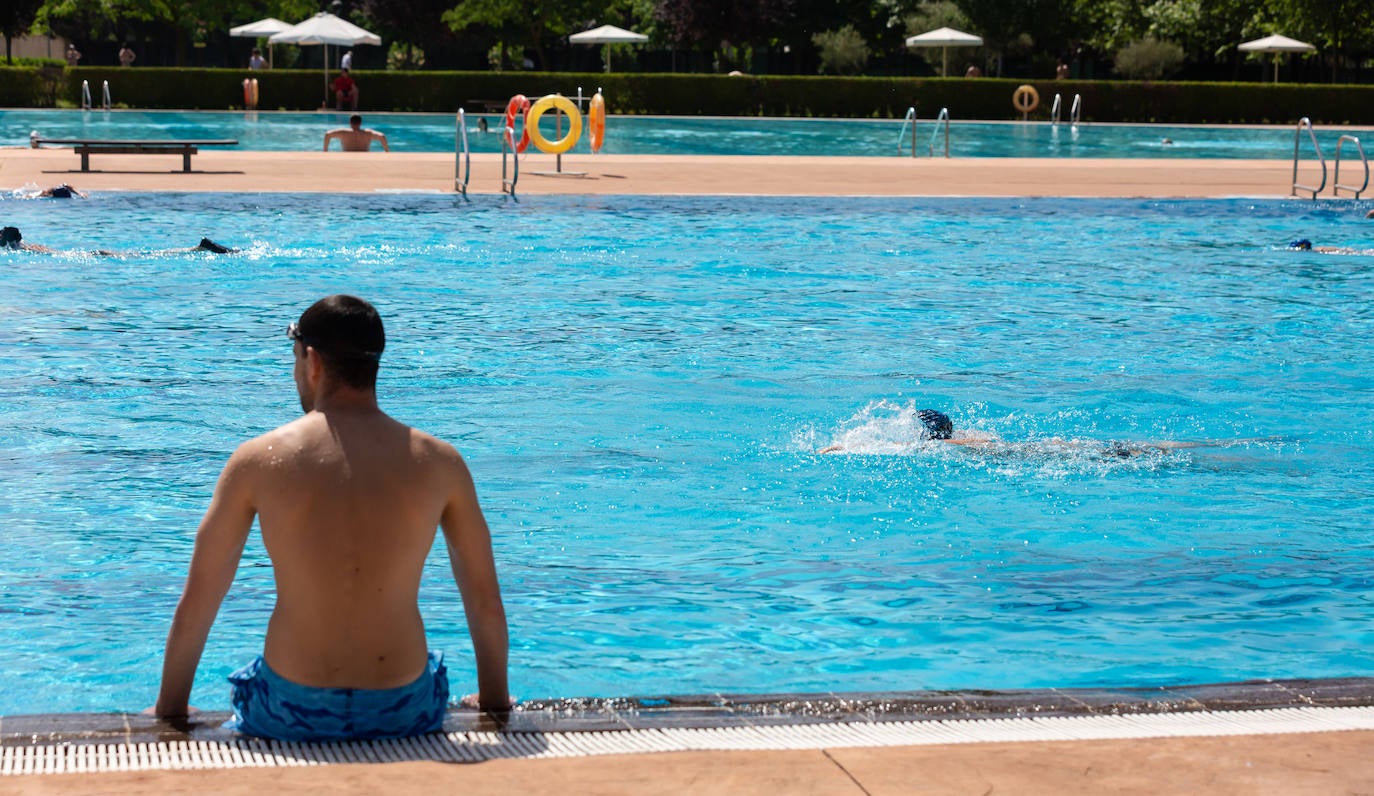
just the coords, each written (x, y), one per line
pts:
(703, 95)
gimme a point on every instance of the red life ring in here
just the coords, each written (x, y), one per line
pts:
(518, 104)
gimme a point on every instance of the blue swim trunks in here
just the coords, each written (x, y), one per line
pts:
(270, 706)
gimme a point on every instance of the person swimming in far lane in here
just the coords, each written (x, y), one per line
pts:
(935, 426)
(12, 238)
(1305, 245)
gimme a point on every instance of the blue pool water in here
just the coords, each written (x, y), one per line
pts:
(640, 384)
(663, 135)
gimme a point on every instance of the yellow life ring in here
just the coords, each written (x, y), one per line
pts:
(596, 122)
(537, 138)
(1025, 98)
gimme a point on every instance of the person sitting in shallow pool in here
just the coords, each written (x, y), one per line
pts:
(355, 137)
(12, 238)
(936, 426)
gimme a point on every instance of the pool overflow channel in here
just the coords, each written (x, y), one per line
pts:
(1305, 125)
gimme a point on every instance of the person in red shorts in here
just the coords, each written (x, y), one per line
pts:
(345, 90)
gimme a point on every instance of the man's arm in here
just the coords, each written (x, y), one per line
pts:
(474, 568)
(219, 546)
(329, 136)
(381, 137)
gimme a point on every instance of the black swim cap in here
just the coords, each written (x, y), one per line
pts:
(937, 424)
(10, 237)
(63, 191)
(1300, 243)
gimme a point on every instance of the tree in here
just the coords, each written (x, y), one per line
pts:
(16, 20)
(536, 21)
(843, 51)
(412, 22)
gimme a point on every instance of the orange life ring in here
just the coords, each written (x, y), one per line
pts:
(519, 105)
(596, 122)
(1025, 99)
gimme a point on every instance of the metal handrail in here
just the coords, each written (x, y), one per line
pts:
(1297, 139)
(462, 156)
(1076, 110)
(508, 139)
(1054, 110)
(909, 121)
(943, 117)
(1336, 186)
(105, 95)
(85, 95)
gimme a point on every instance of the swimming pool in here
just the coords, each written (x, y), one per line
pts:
(663, 135)
(641, 416)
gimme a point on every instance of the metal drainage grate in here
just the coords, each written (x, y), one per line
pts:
(472, 747)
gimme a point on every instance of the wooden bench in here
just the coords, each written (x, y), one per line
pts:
(86, 147)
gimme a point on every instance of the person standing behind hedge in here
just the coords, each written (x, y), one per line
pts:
(126, 56)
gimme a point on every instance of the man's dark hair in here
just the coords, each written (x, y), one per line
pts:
(347, 332)
(10, 237)
(355, 119)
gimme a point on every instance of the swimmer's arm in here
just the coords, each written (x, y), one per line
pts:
(381, 137)
(474, 569)
(219, 546)
(329, 136)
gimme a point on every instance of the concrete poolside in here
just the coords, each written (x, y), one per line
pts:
(332, 172)
(1310, 761)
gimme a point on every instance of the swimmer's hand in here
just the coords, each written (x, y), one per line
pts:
(474, 702)
(189, 711)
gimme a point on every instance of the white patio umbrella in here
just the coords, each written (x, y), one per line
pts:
(1276, 44)
(325, 28)
(944, 38)
(608, 35)
(261, 29)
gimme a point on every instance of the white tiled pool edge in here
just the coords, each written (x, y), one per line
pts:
(472, 747)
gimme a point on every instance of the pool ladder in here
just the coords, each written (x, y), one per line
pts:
(909, 125)
(1305, 124)
(943, 117)
(104, 95)
(508, 145)
(462, 156)
(1075, 110)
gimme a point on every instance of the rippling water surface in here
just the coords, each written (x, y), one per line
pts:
(640, 386)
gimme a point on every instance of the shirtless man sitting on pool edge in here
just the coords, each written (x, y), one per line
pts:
(348, 501)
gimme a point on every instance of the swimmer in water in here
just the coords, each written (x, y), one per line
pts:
(936, 426)
(63, 191)
(12, 238)
(1305, 245)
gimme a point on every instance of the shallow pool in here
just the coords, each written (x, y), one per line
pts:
(640, 384)
(678, 135)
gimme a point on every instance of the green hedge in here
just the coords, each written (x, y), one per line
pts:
(697, 94)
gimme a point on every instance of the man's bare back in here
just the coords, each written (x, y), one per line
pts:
(348, 500)
(355, 137)
(348, 567)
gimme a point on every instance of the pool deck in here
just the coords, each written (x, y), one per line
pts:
(1217, 761)
(365, 172)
